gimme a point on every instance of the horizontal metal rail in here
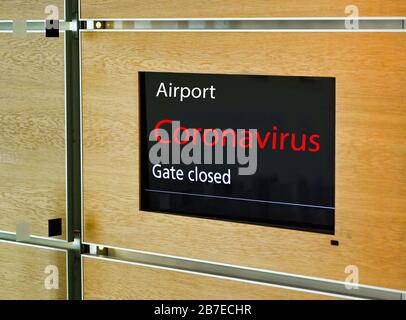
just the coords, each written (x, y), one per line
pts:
(259, 276)
(36, 25)
(42, 241)
(276, 24)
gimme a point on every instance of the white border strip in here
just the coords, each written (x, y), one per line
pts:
(201, 195)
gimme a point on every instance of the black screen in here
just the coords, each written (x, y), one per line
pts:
(294, 118)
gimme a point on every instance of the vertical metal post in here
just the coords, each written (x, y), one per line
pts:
(73, 149)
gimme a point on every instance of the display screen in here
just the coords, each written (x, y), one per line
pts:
(244, 148)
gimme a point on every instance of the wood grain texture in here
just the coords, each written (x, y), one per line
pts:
(32, 132)
(22, 272)
(370, 151)
(103, 279)
(28, 10)
(236, 8)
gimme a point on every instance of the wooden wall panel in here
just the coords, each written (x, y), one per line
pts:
(103, 279)
(32, 132)
(370, 154)
(28, 10)
(236, 8)
(22, 272)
